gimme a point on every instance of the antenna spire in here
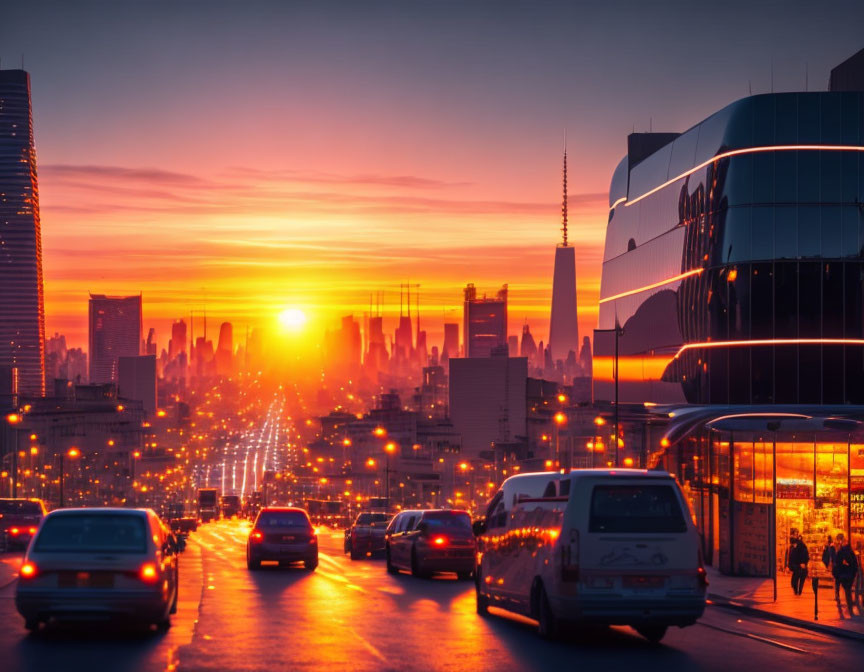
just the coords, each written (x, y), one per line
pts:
(564, 201)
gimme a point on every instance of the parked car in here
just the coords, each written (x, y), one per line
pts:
(606, 546)
(284, 535)
(99, 563)
(425, 542)
(19, 520)
(366, 535)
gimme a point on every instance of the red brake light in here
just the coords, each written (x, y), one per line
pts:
(440, 541)
(148, 573)
(27, 571)
(256, 535)
(703, 577)
(32, 530)
(14, 531)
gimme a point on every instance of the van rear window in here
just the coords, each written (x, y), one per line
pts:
(636, 508)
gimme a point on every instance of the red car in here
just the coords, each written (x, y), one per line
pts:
(424, 542)
(19, 520)
(282, 534)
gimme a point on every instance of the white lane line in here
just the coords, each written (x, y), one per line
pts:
(367, 645)
(758, 638)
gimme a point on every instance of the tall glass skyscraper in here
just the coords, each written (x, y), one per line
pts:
(115, 331)
(22, 313)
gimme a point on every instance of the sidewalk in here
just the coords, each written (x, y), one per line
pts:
(756, 596)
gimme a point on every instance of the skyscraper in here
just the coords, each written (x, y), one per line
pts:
(225, 350)
(564, 324)
(22, 313)
(485, 322)
(115, 331)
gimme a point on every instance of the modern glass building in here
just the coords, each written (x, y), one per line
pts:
(22, 314)
(732, 307)
(115, 331)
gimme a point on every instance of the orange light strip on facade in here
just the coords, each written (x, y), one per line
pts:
(737, 152)
(771, 341)
(695, 271)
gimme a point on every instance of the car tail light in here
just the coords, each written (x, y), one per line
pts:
(257, 536)
(702, 575)
(570, 558)
(149, 573)
(439, 541)
(28, 570)
(14, 531)
(32, 530)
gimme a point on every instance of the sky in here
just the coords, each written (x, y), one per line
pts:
(254, 156)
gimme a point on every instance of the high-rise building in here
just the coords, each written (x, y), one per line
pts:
(485, 322)
(225, 350)
(177, 343)
(22, 312)
(564, 324)
(115, 331)
(451, 341)
(136, 379)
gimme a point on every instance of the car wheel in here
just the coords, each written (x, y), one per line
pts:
(354, 555)
(311, 564)
(164, 624)
(391, 568)
(482, 600)
(547, 623)
(32, 624)
(653, 633)
(252, 563)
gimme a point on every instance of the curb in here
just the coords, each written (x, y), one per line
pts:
(726, 603)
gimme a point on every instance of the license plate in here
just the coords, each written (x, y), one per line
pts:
(287, 538)
(644, 581)
(86, 580)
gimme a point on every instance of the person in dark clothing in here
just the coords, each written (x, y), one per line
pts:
(828, 557)
(845, 568)
(797, 563)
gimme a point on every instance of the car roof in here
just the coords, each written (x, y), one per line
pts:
(283, 509)
(459, 511)
(589, 473)
(99, 510)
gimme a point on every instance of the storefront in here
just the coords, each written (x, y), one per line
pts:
(747, 510)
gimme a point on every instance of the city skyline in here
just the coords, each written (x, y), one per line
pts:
(334, 205)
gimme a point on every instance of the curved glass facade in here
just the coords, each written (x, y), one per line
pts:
(734, 260)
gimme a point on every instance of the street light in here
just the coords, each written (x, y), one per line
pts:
(560, 419)
(14, 419)
(72, 453)
(389, 448)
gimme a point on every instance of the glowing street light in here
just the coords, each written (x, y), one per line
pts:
(380, 432)
(72, 454)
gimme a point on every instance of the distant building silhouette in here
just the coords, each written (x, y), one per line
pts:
(22, 312)
(115, 331)
(485, 322)
(225, 350)
(451, 341)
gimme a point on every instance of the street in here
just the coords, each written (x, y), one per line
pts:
(354, 616)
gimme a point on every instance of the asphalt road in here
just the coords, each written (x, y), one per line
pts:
(354, 616)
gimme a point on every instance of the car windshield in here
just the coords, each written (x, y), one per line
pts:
(20, 506)
(282, 519)
(369, 518)
(636, 508)
(113, 533)
(451, 522)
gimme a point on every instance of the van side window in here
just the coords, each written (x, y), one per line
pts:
(410, 524)
(497, 515)
(550, 490)
(564, 487)
(393, 527)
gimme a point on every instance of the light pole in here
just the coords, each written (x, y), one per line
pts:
(560, 419)
(14, 419)
(135, 455)
(389, 448)
(72, 453)
(599, 421)
(618, 331)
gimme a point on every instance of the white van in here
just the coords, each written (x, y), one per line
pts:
(605, 546)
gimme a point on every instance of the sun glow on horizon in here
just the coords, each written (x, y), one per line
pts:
(292, 319)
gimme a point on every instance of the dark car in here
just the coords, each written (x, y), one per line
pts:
(366, 535)
(283, 535)
(425, 542)
(19, 520)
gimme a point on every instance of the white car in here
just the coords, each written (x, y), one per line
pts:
(99, 564)
(604, 546)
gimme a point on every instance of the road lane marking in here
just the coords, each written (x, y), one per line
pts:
(368, 646)
(758, 638)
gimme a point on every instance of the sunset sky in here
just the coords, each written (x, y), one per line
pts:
(254, 156)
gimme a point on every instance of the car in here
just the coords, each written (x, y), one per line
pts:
(430, 541)
(366, 535)
(99, 564)
(282, 534)
(19, 520)
(593, 546)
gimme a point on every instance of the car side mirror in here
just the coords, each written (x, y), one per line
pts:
(478, 527)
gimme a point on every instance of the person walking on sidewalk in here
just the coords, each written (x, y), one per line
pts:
(829, 555)
(845, 567)
(797, 563)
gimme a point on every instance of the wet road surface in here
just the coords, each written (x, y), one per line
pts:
(354, 616)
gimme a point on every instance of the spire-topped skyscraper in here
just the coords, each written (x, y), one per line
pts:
(22, 312)
(564, 324)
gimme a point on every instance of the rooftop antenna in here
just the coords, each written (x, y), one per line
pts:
(564, 199)
(749, 88)
(650, 124)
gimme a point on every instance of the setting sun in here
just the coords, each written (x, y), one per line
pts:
(292, 318)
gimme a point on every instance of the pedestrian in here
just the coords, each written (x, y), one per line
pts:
(797, 563)
(828, 557)
(845, 567)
